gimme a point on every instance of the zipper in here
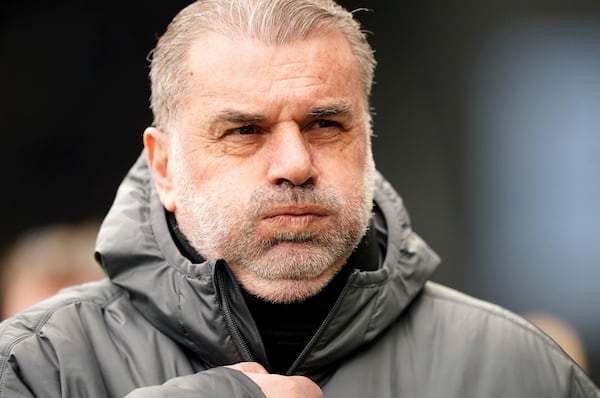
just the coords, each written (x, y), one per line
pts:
(324, 325)
(239, 342)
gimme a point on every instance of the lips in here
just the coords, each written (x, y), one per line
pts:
(296, 211)
(295, 217)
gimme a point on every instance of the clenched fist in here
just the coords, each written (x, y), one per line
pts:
(278, 386)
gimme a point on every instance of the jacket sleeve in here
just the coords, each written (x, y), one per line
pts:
(213, 383)
(582, 386)
(12, 386)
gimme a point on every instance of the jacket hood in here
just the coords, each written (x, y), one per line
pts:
(192, 303)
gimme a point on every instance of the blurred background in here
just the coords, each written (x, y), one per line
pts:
(487, 122)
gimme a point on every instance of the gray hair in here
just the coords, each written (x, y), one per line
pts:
(274, 22)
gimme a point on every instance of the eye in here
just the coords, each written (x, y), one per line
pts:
(245, 130)
(324, 124)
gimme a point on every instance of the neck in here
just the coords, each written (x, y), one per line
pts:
(286, 328)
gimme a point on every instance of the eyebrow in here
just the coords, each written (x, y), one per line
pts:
(337, 109)
(232, 116)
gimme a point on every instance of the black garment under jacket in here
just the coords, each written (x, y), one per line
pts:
(160, 326)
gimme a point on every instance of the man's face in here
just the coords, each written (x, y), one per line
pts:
(271, 162)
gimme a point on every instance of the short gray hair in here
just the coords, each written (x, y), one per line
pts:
(274, 22)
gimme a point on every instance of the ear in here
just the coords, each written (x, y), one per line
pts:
(157, 150)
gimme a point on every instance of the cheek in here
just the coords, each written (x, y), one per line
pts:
(208, 171)
(345, 168)
(232, 187)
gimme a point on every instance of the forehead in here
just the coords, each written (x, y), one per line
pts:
(321, 67)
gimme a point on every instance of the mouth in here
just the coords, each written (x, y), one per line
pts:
(296, 216)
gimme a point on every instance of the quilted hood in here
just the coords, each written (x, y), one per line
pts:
(200, 306)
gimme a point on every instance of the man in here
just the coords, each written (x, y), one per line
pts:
(253, 251)
(44, 260)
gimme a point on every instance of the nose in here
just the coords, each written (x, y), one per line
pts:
(291, 157)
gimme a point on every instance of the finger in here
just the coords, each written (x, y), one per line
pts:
(277, 386)
(248, 367)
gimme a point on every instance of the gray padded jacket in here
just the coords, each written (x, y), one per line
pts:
(160, 326)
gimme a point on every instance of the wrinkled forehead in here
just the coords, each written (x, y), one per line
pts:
(218, 64)
(318, 70)
(328, 46)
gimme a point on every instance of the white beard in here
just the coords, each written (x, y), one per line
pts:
(284, 266)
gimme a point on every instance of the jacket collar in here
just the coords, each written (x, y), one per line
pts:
(185, 300)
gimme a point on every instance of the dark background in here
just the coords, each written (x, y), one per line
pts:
(74, 103)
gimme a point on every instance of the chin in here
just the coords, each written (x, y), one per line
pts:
(287, 290)
(290, 276)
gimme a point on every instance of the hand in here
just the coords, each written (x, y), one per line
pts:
(278, 386)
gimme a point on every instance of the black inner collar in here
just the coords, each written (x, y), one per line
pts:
(287, 328)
